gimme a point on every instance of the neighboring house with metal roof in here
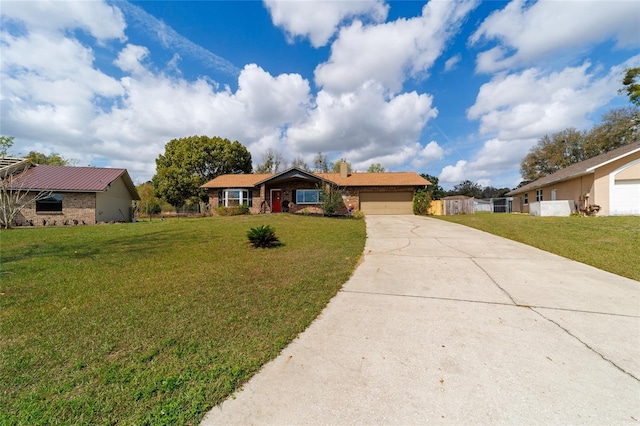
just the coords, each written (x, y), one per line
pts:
(77, 195)
(296, 190)
(606, 185)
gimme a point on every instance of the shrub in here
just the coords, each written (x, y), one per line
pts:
(358, 214)
(330, 200)
(263, 236)
(233, 211)
(421, 202)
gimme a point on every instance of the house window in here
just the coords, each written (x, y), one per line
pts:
(526, 198)
(539, 195)
(236, 197)
(50, 204)
(307, 196)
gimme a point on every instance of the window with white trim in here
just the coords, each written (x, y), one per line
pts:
(307, 196)
(539, 195)
(236, 197)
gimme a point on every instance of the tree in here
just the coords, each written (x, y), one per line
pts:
(553, 153)
(54, 159)
(376, 168)
(300, 163)
(617, 128)
(6, 142)
(468, 189)
(149, 204)
(190, 162)
(14, 195)
(335, 167)
(321, 163)
(435, 191)
(631, 83)
(272, 162)
(491, 192)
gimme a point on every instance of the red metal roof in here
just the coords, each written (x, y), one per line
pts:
(72, 179)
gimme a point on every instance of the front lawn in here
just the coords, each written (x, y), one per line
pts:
(609, 243)
(154, 323)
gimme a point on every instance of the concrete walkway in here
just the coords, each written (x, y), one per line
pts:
(446, 324)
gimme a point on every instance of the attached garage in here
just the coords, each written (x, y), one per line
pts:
(386, 202)
(625, 198)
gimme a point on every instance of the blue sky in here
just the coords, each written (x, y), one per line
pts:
(460, 90)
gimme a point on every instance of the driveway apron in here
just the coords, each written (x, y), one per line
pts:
(441, 323)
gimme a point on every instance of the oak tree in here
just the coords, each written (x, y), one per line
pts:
(188, 163)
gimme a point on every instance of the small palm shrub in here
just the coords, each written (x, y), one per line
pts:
(263, 236)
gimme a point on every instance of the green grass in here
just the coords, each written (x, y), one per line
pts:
(155, 323)
(608, 243)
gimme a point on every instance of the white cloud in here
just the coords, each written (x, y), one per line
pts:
(497, 158)
(130, 59)
(527, 32)
(319, 19)
(414, 154)
(99, 19)
(452, 62)
(533, 103)
(282, 99)
(388, 53)
(365, 123)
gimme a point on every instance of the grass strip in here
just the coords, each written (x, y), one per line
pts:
(610, 243)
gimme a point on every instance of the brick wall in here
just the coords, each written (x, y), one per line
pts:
(351, 196)
(77, 208)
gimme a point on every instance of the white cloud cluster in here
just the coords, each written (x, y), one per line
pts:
(534, 103)
(529, 32)
(319, 19)
(99, 19)
(519, 105)
(362, 122)
(57, 99)
(389, 53)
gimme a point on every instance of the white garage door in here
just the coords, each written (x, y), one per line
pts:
(386, 202)
(625, 199)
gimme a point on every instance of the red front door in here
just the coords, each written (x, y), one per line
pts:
(276, 201)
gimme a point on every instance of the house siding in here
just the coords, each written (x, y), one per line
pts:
(114, 205)
(573, 190)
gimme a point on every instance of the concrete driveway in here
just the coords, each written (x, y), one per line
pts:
(446, 324)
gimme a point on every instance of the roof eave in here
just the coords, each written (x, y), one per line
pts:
(604, 163)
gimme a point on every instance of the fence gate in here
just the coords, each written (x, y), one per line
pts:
(459, 206)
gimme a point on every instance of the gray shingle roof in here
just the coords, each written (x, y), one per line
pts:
(579, 169)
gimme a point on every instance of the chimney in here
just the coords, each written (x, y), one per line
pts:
(344, 170)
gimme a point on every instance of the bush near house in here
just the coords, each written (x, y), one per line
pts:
(421, 202)
(153, 323)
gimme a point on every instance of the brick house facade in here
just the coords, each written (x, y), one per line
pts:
(298, 191)
(75, 195)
